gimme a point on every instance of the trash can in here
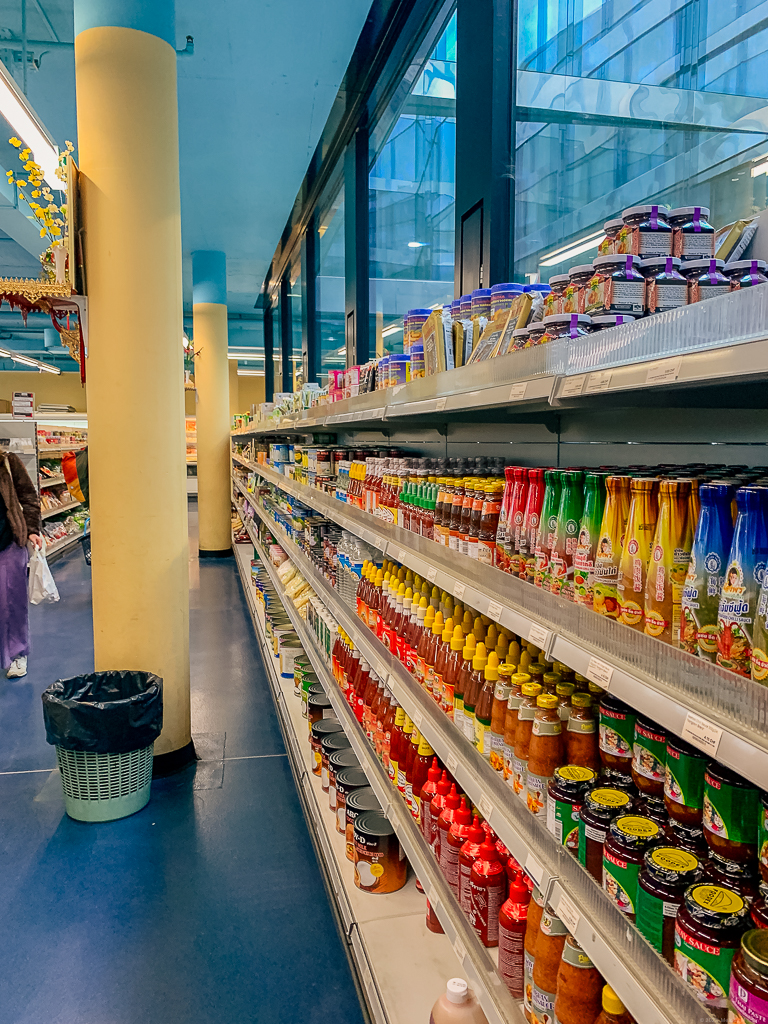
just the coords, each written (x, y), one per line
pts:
(104, 726)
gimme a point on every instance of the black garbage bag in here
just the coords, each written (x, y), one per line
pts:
(104, 712)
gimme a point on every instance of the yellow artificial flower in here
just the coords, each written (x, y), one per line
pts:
(42, 232)
(70, 147)
(15, 142)
(21, 183)
(36, 194)
(55, 231)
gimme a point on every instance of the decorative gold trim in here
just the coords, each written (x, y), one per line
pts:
(34, 290)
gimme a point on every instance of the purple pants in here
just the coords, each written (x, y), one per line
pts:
(14, 607)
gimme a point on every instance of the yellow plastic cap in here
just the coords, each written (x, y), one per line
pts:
(469, 646)
(408, 594)
(546, 700)
(447, 630)
(492, 634)
(492, 668)
(502, 646)
(531, 689)
(457, 640)
(467, 622)
(437, 625)
(564, 689)
(409, 576)
(481, 658)
(611, 1002)
(478, 629)
(401, 590)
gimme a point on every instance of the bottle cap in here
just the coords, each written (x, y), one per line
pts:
(437, 624)
(547, 701)
(453, 800)
(469, 646)
(447, 631)
(463, 815)
(518, 890)
(435, 771)
(408, 595)
(478, 629)
(520, 679)
(423, 603)
(457, 990)
(476, 831)
(457, 640)
(531, 689)
(481, 658)
(488, 850)
(502, 646)
(444, 785)
(492, 635)
(492, 668)
(611, 1002)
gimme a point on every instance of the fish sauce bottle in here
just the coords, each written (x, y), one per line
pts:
(706, 571)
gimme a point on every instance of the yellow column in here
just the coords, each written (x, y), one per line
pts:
(128, 152)
(234, 389)
(209, 312)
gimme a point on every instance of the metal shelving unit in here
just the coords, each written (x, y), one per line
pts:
(47, 513)
(60, 547)
(645, 983)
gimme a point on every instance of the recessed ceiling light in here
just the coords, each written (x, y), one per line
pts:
(416, 245)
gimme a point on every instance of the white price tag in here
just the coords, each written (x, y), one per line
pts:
(598, 382)
(494, 610)
(432, 895)
(485, 806)
(358, 416)
(417, 718)
(459, 949)
(432, 573)
(451, 763)
(458, 590)
(568, 914)
(533, 868)
(600, 672)
(539, 635)
(701, 733)
(664, 372)
(397, 389)
(573, 386)
(440, 404)
(517, 391)
(401, 555)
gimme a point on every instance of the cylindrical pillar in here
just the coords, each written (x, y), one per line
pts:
(209, 313)
(234, 389)
(127, 120)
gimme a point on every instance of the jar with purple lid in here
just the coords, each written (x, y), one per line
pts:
(665, 286)
(417, 361)
(617, 286)
(466, 307)
(502, 297)
(574, 295)
(481, 302)
(519, 339)
(456, 309)
(705, 279)
(566, 325)
(745, 273)
(415, 320)
(651, 232)
(557, 286)
(694, 236)
(606, 320)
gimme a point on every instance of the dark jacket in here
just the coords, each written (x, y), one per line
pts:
(21, 500)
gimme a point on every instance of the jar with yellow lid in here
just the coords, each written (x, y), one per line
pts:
(565, 796)
(545, 752)
(666, 873)
(628, 838)
(600, 807)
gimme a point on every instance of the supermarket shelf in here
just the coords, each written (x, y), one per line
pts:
(723, 714)
(60, 547)
(47, 513)
(50, 453)
(53, 481)
(386, 967)
(646, 984)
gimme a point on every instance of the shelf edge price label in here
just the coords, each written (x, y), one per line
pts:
(485, 806)
(459, 949)
(440, 404)
(702, 733)
(432, 573)
(433, 897)
(600, 672)
(533, 868)
(494, 610)
(458, 590)
(539, 635)
(517, 391)
(451, 763)
(573, 386)
(401, 555)
(417, 718)
(598, 382)
(568, 914)
(664, 372)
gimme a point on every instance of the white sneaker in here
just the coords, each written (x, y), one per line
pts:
(18, 668)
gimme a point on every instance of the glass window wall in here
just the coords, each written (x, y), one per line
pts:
(329, 285)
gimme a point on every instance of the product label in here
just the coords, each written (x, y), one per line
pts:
(528, 982)
(519, 772)
(684, 779)
(546, 728)
(543, 1010)
(617, 732)
(511, 959)
(563, 822)
(620, 881)
(483, 738)
(730, 811)
(650, 753)
(707, 968)
(588, 832)
(576, 957)
(536, 798)
(497, 752)
(746, 1007)
(652, 243)
(663, 296)
(762, 840)
(694, 245)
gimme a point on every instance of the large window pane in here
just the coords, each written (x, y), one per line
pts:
(412, 194)
(625, 102)
(330, 279)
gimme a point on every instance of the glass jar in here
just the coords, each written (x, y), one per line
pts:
(694, 236)
(611, 228)
(749, 979)
(628, 838)
(741, 876)
(575, 293)
(708, 932)
(650, 231)
(730, 813)
(600, 807)
(536, 334)
(581, 742)
(617, 734)
(606, 320)
(502, 297)
(519, 339)
(566, 325)
(684, 782)
(649, 757)
(652, 807)
(705, 279)
(565, 797)
(617, 286)
(557, 286)
(746, 273)
(666, 288)
(666, 874)
(686, 837)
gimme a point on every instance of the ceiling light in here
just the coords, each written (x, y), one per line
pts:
(416, 245)
(22, 118)
(760, 169)
(27, 361)
(342, 352)
(394, 329)
(572, 249)
(250, 373)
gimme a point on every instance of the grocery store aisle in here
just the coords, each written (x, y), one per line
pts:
(208, 907)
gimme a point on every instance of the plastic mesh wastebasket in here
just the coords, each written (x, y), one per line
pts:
(103, 787)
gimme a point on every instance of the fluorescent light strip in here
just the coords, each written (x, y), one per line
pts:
(574, 249)
(18, 113)
(26, 361)
(250, 373)
(396, 329)
(760, 169)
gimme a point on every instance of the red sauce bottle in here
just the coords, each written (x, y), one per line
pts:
(487, 886)
(395, 745)
(513, 918)
(426, 796)
(450, 849)
(445, 820)
(436, 809)
(433, 922)
(468, 854)
(402, 760)
(361, 685)
(410, 760)
(420, 773)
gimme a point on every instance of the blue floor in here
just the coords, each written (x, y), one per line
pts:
(208, 907)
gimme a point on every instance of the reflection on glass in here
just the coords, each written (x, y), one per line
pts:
(625, 103)
(295, 282)
(412, 199)
(330, 280)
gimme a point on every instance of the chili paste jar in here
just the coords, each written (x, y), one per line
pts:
(651, 232)
(762, 836)
(629, 836)
(666, 874)
(708, 932)
(579, 987)
(686, 837)
(566, 791)
(666, 288)
(649, 757)
(694, 236)
(600, 807)
(617, 734)
(617, 286)
(705, 279)
(536, 335)
(575, 293)
(730, 813)
(749, 979)
(603, 321)
(611, 228)
(746, 273)
(684, 782)
(741, 876)
(566, 325)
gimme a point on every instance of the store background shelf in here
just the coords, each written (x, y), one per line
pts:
(645, 983)
(60, 547)
(52, 481)
(48, 512)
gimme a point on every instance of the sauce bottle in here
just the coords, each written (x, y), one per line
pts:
(457, 1005)
(472, 486)
(706, 571)
(415, 632)
(579, 986)
(451, 844)
(410, 760)
(468, 854)
(487, 886)
(422, 765)
(454, 522)
(395, 744)
(489, 522)
(668, 564)
(519, 500)
(741, 589)
(546, 963)
(444, 822)
(547, 528)
(503, 533)
(513, 919)
(529, 531)
(484, 707)
(587, 540)
(436, 809)
(426, 796)
(433, 648)
(424, 645)
(472, 691)
(532, 929)
(501, 692)
(609, 547)
(566, 533)
(510, 722)
(525, 716)
(403, 754)
(442, 655)
(617, 735)
(462, 681)
(613, 1011)
(641, 525)
(450, 671)
(544, 752)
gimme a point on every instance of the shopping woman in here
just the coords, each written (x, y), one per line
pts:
(19, 523)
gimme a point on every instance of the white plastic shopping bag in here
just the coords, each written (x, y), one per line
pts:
(41, 585)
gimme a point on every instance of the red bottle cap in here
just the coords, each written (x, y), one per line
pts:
(488, 851)
(518, 890)
(443, 786)
(433, 775)
(453, 800)
(476, 834)
(463, 815)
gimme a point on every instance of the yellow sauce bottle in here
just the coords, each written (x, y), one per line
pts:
(641, 525)
(668, 564)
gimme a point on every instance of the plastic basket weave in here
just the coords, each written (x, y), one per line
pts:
(103, 787)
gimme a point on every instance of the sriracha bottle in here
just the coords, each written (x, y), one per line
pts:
(444, 822)
(487, 886)
(457, 835)
(427, 794)
(436, 809)
(419, 775)
(468, 854)
(513, 918)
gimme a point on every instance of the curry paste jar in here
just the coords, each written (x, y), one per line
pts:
(694, 236)
(320, 729)
(566, 325)
(746, 273)
(557, 285)
(348, 780)
(566, 791)
(337, 762)
(666, 288)
(686, 837)
(358, 801)
(607, 246)
(650, 231)
(706, 279)
(536, 334)
(730, 813)
(684, 782)
(330, 745)
(576, 292)
(617, 734)
(629, 836)
(666, 874)
(749, 979)
(617, 286)
(600, 807)
(380, 864)
(741, 876)
(708, 932)
(649, 757)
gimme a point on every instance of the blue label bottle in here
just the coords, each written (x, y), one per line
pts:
(706, 571)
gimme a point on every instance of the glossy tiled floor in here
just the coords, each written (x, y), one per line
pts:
(208, 907)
